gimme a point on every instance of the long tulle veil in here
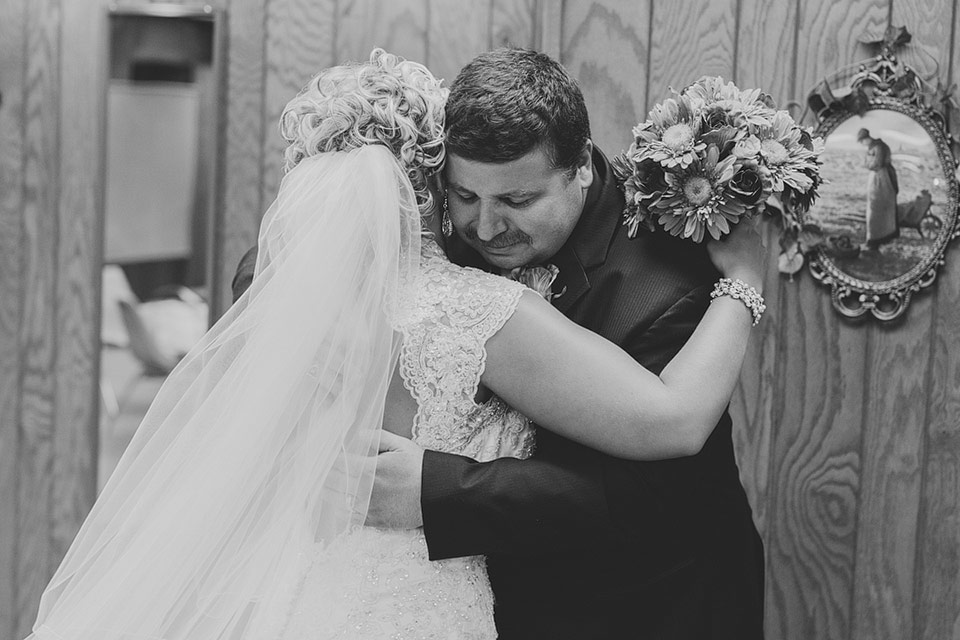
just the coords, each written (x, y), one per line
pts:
(259, 443)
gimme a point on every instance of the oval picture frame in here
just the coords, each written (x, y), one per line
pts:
(888, 208)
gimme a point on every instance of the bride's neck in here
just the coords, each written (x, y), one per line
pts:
(432, 223)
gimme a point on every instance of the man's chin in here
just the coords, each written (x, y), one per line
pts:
(503, 259)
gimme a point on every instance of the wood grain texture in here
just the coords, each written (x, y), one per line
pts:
(765, 50)
(816, 448)
(246, 127)
(12, 79)
(400, 27)
(894, 426)
(893, 429)
(76, 438)
(38, 328)
(605, 46)
(828, 33)
(456, 32)
(937, 610)
(691, 38)
(299, 43)
(930, 22)
(936, 585)
(512, 23)
(952, 71)
(814, 467)
(549, 27)
(213, 3)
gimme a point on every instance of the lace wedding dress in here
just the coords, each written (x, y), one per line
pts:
(256, 448)
(373, 583)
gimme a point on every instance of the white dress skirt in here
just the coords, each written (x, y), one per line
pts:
(375, 584)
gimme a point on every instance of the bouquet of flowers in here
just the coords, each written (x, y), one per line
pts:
(713, 154)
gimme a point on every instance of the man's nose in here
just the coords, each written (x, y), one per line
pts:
(490, 224)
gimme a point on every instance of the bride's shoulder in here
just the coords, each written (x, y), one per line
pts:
(462, 293)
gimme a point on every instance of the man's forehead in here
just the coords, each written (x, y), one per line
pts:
(523, 175)
(482, 186)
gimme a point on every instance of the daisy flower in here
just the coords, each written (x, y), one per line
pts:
(790, 163)
(749, 107)
(670, 135)
(696, 201)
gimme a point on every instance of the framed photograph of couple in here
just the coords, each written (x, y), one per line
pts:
(888, 206)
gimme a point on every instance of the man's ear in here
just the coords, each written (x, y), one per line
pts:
(437, 186)
(585, 166)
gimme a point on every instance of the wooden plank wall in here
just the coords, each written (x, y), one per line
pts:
(50, 120)
(847, 435)
(276, 46)
(12, 35)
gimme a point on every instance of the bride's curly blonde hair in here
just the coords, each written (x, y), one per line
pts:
(388, 101)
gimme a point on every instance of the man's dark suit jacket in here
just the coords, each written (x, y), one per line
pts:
(582, 545)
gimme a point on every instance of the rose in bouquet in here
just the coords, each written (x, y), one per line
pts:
(712, 155)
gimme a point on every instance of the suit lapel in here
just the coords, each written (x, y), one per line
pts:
(572, 281)
(588, 244)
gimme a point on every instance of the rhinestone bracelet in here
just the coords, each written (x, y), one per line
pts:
(740, 290)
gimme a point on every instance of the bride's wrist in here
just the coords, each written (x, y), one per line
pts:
(748, 277)
(742, 291)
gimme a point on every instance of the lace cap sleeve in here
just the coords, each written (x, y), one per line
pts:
(444, 353)
(480, 303)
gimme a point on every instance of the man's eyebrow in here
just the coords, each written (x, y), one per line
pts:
(519, 193)
(516, 193)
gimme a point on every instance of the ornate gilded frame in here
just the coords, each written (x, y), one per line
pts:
(864, 277)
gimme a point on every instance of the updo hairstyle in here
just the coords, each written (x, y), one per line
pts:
(388, 101)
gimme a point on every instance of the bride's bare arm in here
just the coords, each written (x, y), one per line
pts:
(575, 383)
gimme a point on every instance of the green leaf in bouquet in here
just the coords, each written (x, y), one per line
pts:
(622, 167)
(723, 138)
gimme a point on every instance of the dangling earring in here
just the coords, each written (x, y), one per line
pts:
(446, 225)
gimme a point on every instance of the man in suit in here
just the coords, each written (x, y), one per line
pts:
(580, 544)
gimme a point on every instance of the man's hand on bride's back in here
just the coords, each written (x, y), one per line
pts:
(395, 501)
(741, 253)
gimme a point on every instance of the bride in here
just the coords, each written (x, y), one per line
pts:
(237, 511)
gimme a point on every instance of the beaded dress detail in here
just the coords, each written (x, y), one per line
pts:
(376, 584)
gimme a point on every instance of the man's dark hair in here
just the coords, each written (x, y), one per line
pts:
(506, 102)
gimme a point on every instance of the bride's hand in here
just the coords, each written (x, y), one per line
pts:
(741, 254)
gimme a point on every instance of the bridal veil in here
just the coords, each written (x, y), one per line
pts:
(259, 444)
